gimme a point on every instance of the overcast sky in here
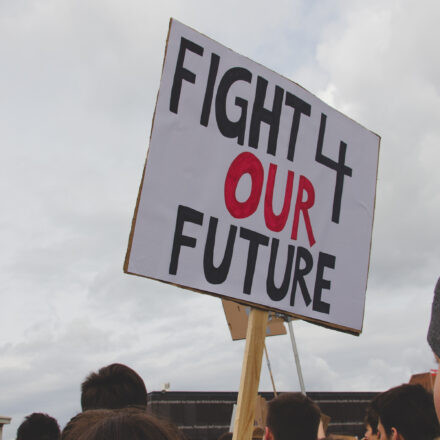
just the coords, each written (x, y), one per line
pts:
(78, 83)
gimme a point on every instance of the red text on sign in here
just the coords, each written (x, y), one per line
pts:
(248, 163)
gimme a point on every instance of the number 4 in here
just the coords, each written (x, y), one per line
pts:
(341, 169)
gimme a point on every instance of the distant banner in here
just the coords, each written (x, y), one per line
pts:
(254, 189)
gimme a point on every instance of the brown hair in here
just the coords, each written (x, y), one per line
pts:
(410, 410)
(114, 386)
(82, 422)
(371, 418)
(293, 416)
(131, 424)
(38, 426)
(226, 436)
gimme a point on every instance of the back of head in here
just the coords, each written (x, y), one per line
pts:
(293, 416)
(83, 421)
(434, 341)
(114, 386)
(133, 425)
(434, 325)
(410, 410)
(226, 436)
(38, 426)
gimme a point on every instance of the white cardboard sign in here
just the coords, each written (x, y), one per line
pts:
(254, 189)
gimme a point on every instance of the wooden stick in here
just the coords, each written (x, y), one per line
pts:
(250, 375)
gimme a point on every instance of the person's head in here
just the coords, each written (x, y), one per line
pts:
(406, 412)
(38, 426)
(114, 386)
(292, 416)
(370, 422)
(226, 436)
(130, 424)
(434, 341)
(82, 422)
(436, 390)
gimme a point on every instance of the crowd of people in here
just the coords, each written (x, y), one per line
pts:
(114, 407)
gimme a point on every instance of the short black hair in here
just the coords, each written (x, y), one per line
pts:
(114, 386)
(371, 418)
(410, 410)
(293, 416)
(38, 426)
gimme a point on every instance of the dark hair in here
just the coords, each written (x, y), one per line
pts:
(371, 418)
(410, 410)
(82, 422)
(38, 426)
(293, 416)
(226, 436)
(131, 424)
(114, 386)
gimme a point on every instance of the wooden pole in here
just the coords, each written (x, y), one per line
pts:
(250, 375)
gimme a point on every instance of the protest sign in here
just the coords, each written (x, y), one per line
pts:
(254, 189)
(427, 380)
